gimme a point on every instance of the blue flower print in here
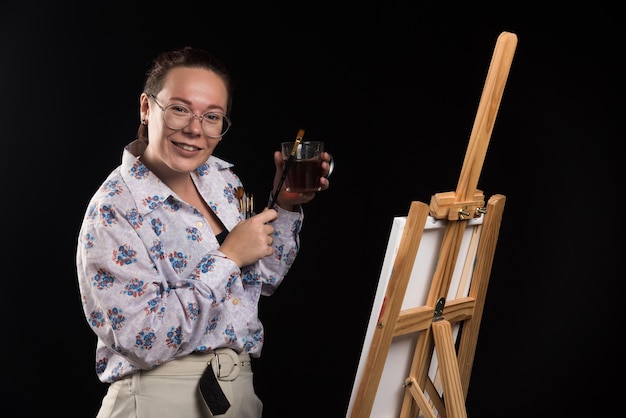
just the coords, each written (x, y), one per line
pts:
(172, 204)
(229, 193)
(153, 308)
(118, 369)
(112, 188)
(116, 373)
(192, 311)
(279, 252)
(96, 319)
(157, 226)
(229, 334)
(134, 218)
(101, 365)
(229, 286)
(178, 261)
(271, 279)
(116, 318)
(203, 170)
(135, 288)
(251, 278)
(157, 251)
(152, 202)
(107, 215)
(204, 266)
(124, 255)
(258, 336)
(212, 324)
(194, 234)
(145, 339)
(103, 279)
(174, 337)
(248, 345)
(152, 305)
(92, 212)
(138, 170)
(88, 240)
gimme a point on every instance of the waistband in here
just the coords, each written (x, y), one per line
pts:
(226, 364)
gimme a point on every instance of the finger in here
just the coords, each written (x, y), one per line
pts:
(306, 197)
(328, 165)
(278, 160)
(267, 215)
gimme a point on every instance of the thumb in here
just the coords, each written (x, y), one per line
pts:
(278, 160)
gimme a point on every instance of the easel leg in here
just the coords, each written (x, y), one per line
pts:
(420, 398)
(449, 368)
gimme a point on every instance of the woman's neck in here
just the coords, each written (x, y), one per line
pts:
(180, 182)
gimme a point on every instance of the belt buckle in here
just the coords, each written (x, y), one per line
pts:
(225, 370)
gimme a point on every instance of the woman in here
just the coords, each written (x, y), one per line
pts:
(170, 271)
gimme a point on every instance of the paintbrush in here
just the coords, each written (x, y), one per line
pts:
(286, 168)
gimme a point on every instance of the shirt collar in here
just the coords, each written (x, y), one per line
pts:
(150, 193)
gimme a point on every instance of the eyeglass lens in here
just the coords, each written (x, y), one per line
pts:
(179, 117)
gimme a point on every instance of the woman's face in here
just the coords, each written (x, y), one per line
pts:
(171, 151)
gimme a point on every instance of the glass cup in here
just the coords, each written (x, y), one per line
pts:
(305, 168)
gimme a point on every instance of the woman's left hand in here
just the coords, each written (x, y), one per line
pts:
(289, 200)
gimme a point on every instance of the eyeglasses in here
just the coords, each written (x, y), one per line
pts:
(178, 116)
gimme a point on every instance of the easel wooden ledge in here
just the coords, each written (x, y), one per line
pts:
(434, 320)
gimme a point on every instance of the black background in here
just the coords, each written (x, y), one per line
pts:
(393, 90)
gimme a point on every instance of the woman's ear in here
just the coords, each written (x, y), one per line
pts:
(144, 108)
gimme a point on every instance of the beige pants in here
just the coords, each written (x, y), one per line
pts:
(171, 390)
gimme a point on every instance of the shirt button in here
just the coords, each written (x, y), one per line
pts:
(235, 301)
(199, 225)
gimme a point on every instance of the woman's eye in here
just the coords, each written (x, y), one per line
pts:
(213, 117)
(180, 109)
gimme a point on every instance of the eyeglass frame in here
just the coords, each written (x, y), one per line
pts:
(193, 115)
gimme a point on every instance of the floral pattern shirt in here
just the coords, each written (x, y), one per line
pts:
(154, 285)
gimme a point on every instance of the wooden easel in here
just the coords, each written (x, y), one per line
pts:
(422, 396)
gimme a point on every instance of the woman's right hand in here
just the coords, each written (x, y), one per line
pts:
(251, 239)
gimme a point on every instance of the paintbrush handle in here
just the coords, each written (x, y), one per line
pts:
(280, 183)
(286, 168)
